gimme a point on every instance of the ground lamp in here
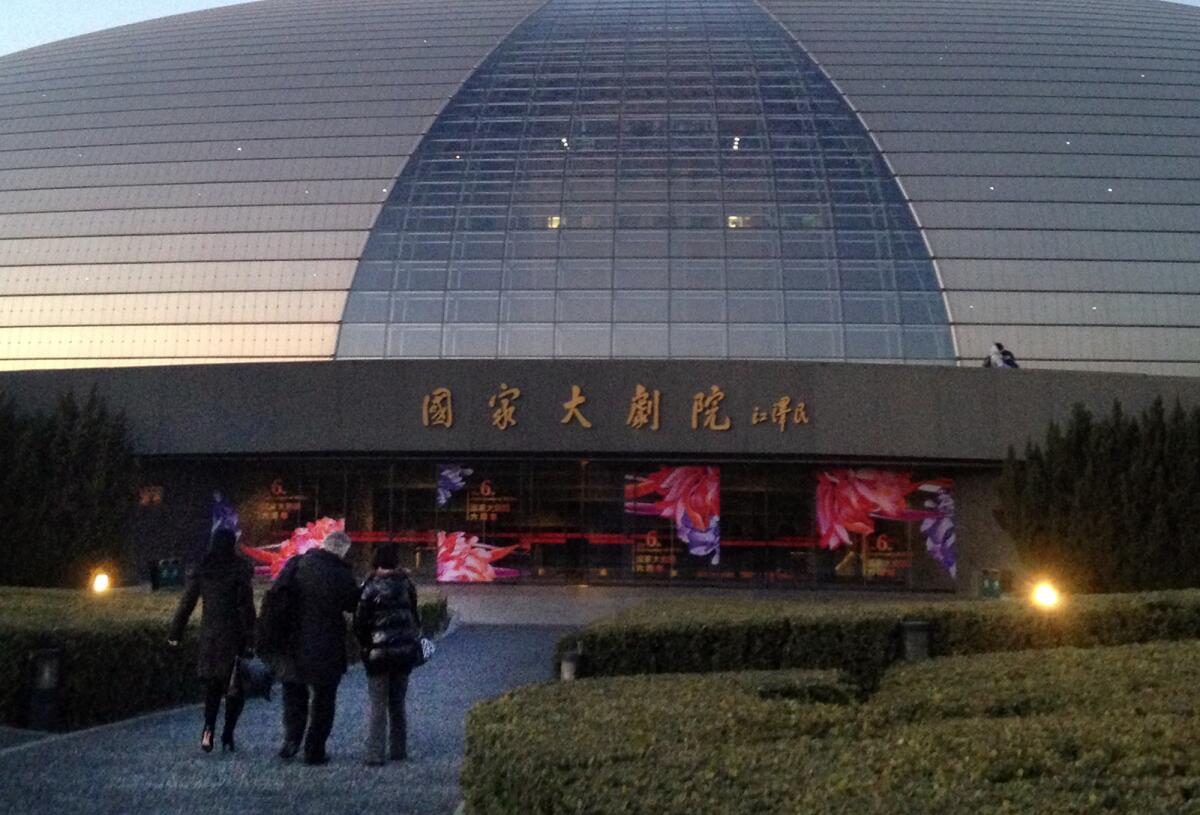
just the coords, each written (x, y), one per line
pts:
(1045, 596)
(100, 582)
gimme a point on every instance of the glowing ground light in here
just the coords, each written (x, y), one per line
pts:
(1045, 595)
(100, 582)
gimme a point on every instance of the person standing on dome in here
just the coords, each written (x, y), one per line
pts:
(1000, 357)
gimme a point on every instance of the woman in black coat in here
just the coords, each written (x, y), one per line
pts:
(223, 580)
(387, 624)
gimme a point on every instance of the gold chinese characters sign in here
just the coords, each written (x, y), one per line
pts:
(644, 410)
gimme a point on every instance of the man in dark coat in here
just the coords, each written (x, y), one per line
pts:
(322, 590)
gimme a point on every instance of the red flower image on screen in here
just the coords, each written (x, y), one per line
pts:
(689, 496)
(850, 501)
(302, 539)
(461, 558)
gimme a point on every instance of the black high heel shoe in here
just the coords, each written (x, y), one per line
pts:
(206, 740)
(227, 745)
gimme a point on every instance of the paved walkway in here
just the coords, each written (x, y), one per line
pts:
(504, 637)
(154, 764)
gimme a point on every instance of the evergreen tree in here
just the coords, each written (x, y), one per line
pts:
(68, 493)
(1109, 504)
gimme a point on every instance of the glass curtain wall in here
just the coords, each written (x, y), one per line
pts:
(660, 178)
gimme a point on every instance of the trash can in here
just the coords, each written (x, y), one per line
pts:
(991, 583)
(568, 668)
(166, 573)
(914, 640)
(45, 690)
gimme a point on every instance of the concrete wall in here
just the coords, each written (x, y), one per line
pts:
(855, 412)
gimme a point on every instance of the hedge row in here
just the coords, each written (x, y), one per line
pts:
(699, 636)
(116, 662)
(1061, 731)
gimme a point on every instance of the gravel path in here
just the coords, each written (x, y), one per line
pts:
(154, 764)
(12, 736)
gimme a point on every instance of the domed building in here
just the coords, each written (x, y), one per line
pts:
(576, 287)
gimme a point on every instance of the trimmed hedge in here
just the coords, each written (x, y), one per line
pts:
(698, 636)
(1062, 732)
(116, 662)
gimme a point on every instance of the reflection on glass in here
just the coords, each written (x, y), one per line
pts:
(632, 520)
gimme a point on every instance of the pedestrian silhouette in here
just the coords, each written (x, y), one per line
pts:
(1000, 357)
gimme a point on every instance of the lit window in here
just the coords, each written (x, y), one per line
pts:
(737, 221)
(553, 221)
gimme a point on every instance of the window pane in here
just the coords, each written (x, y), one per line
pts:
(756, 341)
(469, 341)
(583, 340)
(706, 341)
(527, 340)
(641, 341)
(814, 342)
(409, 341)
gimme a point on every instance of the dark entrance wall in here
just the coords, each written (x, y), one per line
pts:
(661, 520)
(198, 425)
(983, 544)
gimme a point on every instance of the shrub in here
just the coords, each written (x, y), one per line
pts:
(1128, 680)
(695, 636)
(1060, 731)
(67, 492)
(1107, 504)
(123, 636)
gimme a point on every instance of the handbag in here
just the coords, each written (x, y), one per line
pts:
(427, 649)
(251, 678)
(406, 657)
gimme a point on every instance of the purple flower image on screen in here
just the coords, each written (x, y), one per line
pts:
(940, 537)
(224, 516)
(701, 542)
(691, 497)
(451, 479)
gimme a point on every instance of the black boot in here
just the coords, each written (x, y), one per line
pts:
(233, 711)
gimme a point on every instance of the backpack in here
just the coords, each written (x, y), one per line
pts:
(277, 619)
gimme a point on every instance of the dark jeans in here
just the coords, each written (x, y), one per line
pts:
(214, 689)
(386, 693)
(312, 720)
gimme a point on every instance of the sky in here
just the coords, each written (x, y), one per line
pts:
(33, 22)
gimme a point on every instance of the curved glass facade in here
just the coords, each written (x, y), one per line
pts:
(673, 178)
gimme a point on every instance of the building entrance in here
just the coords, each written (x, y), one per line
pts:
(622, 520)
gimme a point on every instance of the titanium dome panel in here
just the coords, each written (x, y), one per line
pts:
(660, 179)
(1049, 152)
(199, 188)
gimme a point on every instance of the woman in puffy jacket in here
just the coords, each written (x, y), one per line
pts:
(222, 582)
(388, 626)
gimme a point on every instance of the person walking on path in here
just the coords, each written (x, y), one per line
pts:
(320, 588)
(222, 580)
(387, 624)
